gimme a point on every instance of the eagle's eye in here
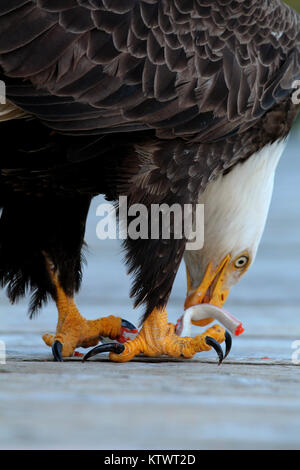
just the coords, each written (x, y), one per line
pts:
(241, 262)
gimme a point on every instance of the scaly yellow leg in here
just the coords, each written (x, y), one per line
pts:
(73, 330)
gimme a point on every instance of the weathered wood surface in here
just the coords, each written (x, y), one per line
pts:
(251, 401)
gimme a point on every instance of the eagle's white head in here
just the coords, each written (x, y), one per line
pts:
(236, 206)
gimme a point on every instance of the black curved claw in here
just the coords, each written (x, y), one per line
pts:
(106, 347)
(214, 344)
(127, 324)
(56, 351)
(228, 343)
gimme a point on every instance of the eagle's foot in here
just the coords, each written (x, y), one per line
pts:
(74, 331)
(157, 338)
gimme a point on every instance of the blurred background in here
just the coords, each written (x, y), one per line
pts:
(294, 3)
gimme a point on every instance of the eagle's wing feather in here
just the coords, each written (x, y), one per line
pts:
(193, 69)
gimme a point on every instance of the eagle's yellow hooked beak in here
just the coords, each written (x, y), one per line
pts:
(212, 289)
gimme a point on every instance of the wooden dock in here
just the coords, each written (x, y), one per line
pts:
(252, 401)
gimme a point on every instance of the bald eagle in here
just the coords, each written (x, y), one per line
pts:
(162, 101)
